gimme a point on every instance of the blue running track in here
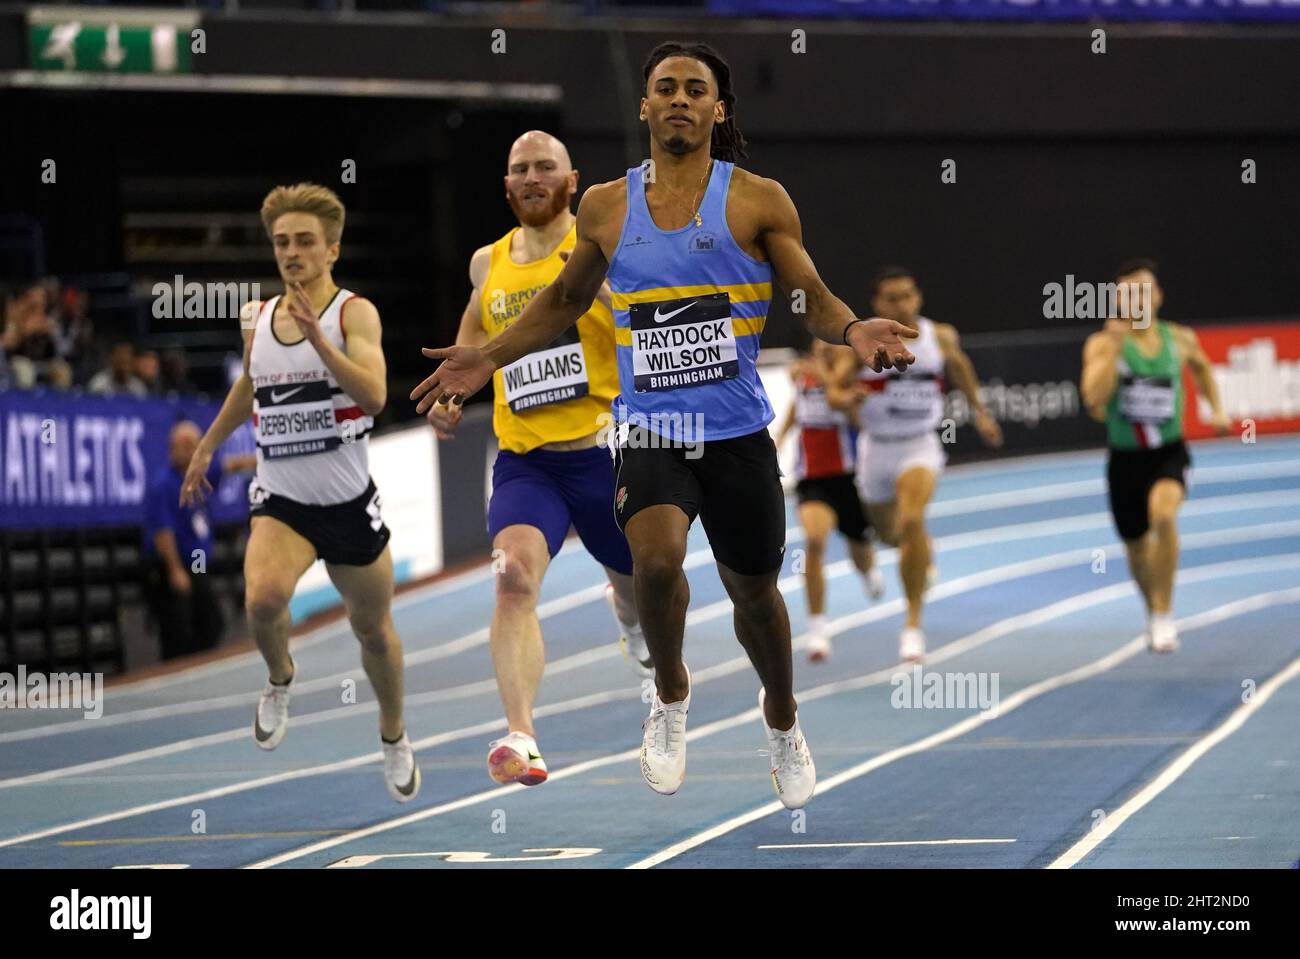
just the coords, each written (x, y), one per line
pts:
(1093, 753)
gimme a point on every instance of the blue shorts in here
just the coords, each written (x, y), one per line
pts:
(551, 490)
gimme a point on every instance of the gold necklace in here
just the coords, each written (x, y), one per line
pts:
(695, 205)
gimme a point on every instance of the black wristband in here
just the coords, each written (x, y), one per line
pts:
(845, 335)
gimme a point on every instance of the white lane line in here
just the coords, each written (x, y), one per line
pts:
(900, 842)
(466, 691)
(1107, 826)
(1210, 448)
(1130, 649)
(478, 637)
(941, 507)
(463, 580)
(1091, 487)
(1054, 610)
(421, 594)
(715, 610)
(944, 544)
(328, 631)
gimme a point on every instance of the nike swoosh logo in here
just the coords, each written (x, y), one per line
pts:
(409, 787)
(281, 397)
(258, 732)
(661, 317)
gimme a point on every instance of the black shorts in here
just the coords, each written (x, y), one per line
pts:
(344, 534)
(1130, 474)
(733, 485)
(840, 494)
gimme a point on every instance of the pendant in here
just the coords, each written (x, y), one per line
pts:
(698, 220)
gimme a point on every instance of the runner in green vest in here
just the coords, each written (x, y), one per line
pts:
(1133, 382)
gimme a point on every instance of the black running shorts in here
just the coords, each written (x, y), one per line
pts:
(733, 485)
(344, 534)
(840, 494)
(1130, 474)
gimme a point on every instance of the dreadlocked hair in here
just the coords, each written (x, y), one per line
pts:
(728, 143)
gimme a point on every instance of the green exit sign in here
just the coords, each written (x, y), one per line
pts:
(114, 40)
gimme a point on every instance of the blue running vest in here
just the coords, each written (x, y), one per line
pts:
(689, 308)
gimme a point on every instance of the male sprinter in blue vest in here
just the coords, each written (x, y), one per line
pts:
(691, 244)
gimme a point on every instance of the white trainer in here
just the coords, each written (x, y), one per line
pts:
(515, 758)
(401, 772)
(911, 644)
(819, 644)
(631, 642)
(794, 777)
(1162, 634)
(271, 720)
(819, 648)
(663, 744)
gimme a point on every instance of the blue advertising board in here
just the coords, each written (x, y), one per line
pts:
(1227, 11)
(70, 460)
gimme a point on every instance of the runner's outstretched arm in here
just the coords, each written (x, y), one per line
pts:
(465, 369)
(878, 343)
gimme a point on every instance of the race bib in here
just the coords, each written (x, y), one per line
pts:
(551, 375)
(683, 342)
(813, 410)
(1146, 400)
(912, 397)
(296, 419)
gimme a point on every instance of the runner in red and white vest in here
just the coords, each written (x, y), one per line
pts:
(825, 415)
(314, 377)
(900, 456)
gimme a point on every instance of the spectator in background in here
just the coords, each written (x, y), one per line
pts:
(147, 371)
(176, 539)
(118, 377)
(174, 375)
(30, 345)
(74, 331)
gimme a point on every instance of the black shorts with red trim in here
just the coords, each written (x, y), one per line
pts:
(344, 534)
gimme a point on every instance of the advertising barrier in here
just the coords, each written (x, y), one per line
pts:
(70, 460)
(1257, 367)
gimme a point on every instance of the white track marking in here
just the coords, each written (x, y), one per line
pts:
(327, 631)
(478, 637)
(1052, 683)
(1170, 773)
(694, 618)
(726, 668)
(1090, 487)
(885, 557)
(701, 557)
(750, 716)
(896, 842)
(1043, 462)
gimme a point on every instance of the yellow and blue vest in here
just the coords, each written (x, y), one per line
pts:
(561, 391)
